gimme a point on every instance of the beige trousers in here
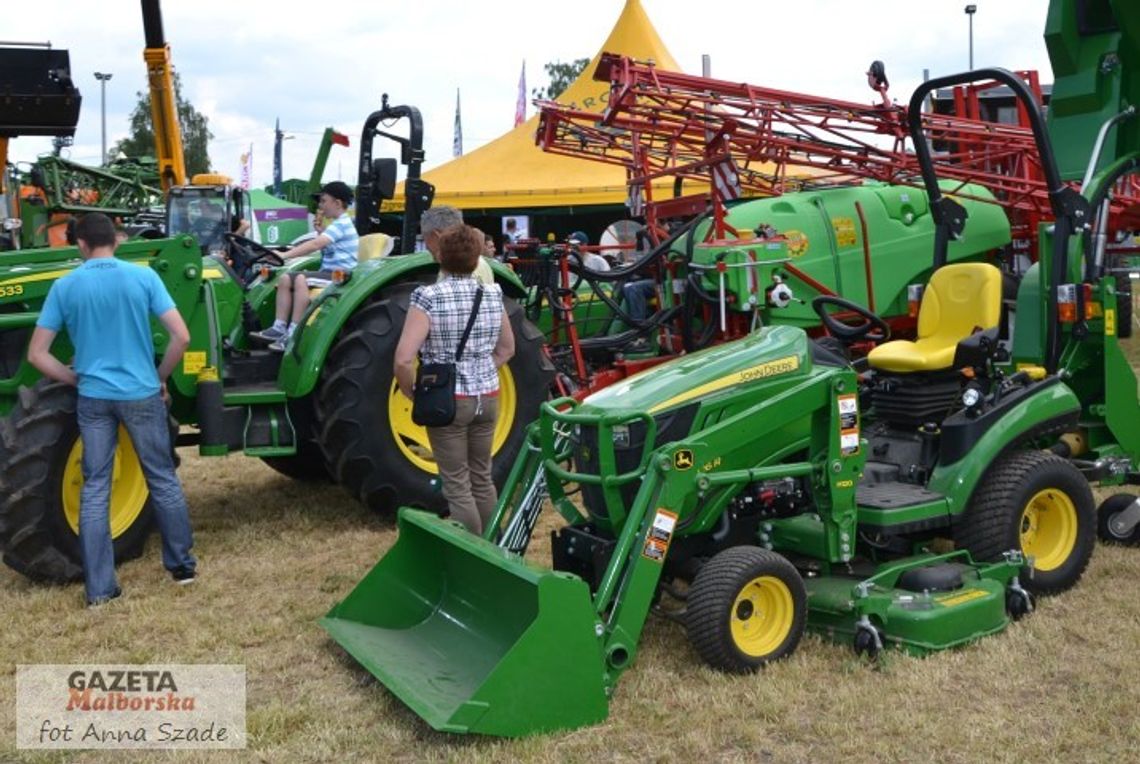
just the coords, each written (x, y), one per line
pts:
(462, 450)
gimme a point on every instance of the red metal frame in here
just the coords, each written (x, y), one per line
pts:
(667, 124)
(662, 124)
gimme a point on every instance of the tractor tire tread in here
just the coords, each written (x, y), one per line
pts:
(377, 474)
(710, 599)
(42, 418)
(985, 530)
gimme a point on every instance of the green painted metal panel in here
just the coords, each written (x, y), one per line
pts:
(824, 239)
(301, 369)
(957, 481)
(776, 352)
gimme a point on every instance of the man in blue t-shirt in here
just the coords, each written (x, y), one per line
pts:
(338, 243)
(106, 305)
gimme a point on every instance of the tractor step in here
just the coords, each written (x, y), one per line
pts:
(254, 418)
(269, 430)
(248, 367)
(902, 507)
(253, 394)
(894, 495)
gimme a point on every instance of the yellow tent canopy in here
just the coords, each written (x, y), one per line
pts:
(512, 172)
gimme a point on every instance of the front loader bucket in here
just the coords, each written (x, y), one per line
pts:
(471, 637)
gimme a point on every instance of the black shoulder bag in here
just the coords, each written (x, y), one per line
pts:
(433, 402)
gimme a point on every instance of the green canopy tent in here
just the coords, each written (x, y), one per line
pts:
(276, 221)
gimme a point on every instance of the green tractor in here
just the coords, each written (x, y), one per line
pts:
(917, 499)
(326, 409)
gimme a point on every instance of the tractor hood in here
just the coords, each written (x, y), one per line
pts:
(775, 351)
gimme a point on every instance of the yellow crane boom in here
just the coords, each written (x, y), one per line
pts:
(163, 106)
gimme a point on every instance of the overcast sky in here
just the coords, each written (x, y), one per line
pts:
(245, 63)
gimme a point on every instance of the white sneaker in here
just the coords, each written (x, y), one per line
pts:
(272, 334)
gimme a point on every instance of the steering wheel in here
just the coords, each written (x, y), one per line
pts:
(247, 254)
(872, 327)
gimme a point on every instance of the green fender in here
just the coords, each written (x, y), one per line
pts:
(301, 367)
(1051, 401)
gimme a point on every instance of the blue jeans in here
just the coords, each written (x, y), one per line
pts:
(145, 420)
(636, 294)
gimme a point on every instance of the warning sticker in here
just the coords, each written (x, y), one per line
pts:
(849, 443)
(1109, 322)
(959, 599)
(798, 243)
(659, 536)
(848, 412)
(844, 231)
(193, 361)
(848, 424)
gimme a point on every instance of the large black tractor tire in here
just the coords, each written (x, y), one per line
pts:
(747, 607)
(1037, 502)
(371, 447)
(40, 476)
(308, 465)
(1106, 514)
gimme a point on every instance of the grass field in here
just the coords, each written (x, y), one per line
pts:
(1061, 685)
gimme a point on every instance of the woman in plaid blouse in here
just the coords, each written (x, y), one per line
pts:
(432, 330)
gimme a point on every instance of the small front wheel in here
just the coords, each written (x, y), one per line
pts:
(1018, 603)
(1112, 525)
(868, 641)
(746, 608)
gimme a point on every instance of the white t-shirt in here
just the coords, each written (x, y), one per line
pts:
(595, 262)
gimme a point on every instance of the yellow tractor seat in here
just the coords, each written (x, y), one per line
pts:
(374, 245)
(960, 300)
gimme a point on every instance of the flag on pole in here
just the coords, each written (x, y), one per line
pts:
(520, 104)
(247, 168)
(339, 139)
(278, 137)
(457, 141)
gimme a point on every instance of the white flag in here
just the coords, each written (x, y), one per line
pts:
(247, 168)
(457, 141)
(520, 104)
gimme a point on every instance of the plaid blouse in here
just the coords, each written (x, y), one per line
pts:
(448, 305)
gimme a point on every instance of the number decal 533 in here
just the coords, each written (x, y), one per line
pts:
(11, 291)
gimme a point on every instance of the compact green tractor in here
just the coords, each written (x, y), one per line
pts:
(918, 498)
(327, 408)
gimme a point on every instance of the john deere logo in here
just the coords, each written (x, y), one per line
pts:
(683, 459)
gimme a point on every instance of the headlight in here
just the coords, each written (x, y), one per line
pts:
(971, 397)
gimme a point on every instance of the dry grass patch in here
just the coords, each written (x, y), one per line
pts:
(1061, 685)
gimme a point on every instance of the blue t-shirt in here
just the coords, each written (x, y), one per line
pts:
(342, 252)
(105, 305)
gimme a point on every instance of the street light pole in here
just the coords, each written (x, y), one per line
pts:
(971, 9)
(103, 77)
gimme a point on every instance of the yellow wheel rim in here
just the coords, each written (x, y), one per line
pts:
(1049, 529)
(128, 486)
(762, 616)
(412, 439)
